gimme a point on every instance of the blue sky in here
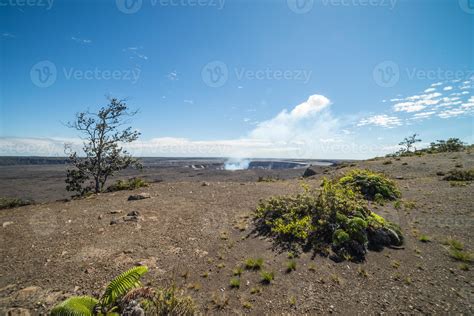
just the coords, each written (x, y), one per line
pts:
(240, 78)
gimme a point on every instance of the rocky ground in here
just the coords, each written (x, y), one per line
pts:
(193, 233)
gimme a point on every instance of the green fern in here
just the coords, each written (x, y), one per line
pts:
(122, 284)
(75, 306)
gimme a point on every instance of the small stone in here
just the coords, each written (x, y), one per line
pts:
(130, 218)
(18, 312)
(27, 292)
(205, 184)
(5, 224)
(308, 173)
(115, 211)
(114, 222)
(100, 216)
(133, 213)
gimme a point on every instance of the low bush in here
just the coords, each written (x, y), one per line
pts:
(460, 175)
(126, 296)
(129, 184)
(266, 277)
(13, 202)
(450, 145)
(253, 264)
(336, 216)
(371, 184)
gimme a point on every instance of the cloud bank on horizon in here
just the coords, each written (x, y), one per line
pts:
(308, 130)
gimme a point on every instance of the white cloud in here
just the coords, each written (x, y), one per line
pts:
(436, 84)
(430, 90)
(423, 115)
(381, 120)
(448, 88)
(189, 101)
(173, 76)
(81, 40)
(134, 52)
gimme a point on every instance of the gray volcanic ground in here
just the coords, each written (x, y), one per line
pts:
(42, 179)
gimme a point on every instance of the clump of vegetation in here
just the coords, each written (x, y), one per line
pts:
(268, 179)
(424, 238)
(460, 175)
(129, 184)
(290, 266)
(237, 271)
(253, 264)
(460, 255)
(220, 301)
(117, 297)
(267, 277)
(234, 283)
(171, 301)
(335, 217)
(13, 202)
(126, 296)
(450, 145)
(371, 184)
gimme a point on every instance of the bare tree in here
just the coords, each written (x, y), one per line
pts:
(103, 133)
(409, 141)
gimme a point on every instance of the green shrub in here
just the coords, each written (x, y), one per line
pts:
(424, 238)
(460, 175)
(335, 217)
(235, 283)
(129, 184)
(117, 297)
(371, 184)
(171, 301)
(267, 277)
(290, 266)
(253, 264)
(13, 202)
(464, 256)
(450, 145)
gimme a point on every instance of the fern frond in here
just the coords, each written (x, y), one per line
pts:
(122, 284)
(75, 306)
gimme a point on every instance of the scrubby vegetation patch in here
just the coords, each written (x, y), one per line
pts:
(460, 175)
(334, 219)
(13, 202)
(129, 184)
(373, 185)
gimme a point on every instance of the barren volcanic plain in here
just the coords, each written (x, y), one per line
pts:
(197, 227)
